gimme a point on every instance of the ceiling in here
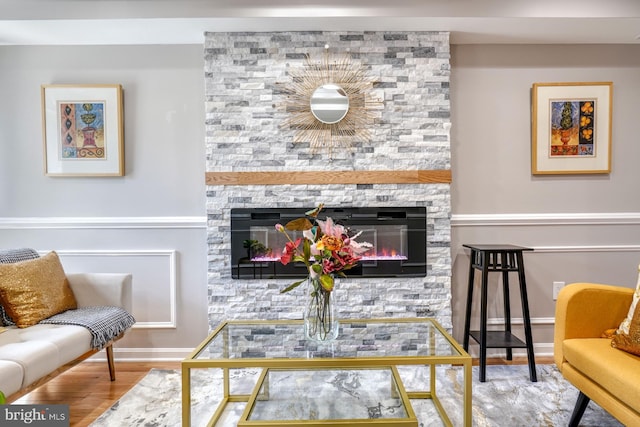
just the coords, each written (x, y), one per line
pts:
(100, 22)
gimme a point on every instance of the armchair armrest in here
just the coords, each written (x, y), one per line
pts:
(586, 310)
(112, 289)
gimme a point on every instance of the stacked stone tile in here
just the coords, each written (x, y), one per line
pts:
(244, 77)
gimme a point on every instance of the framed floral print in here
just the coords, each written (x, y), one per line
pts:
(83, 130)
(571, 128)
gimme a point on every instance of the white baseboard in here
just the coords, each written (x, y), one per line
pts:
(539, 350)
(499, 321)
(144, 355)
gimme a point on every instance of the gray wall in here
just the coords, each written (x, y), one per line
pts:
(582, 227)
(149, 222)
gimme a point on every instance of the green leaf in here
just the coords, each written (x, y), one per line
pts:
(317, 268)
(300, 224)
(306, 248)
(314, 212)
(292, 286)
(3, 399)
(327, 282)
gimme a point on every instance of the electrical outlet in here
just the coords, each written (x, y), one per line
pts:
(556, 289)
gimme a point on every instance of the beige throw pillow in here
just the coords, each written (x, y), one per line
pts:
(33, 290)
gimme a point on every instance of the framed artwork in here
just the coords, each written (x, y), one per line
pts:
(82, 130)
(571, 128)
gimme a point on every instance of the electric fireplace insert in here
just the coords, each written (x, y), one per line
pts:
(398, 236)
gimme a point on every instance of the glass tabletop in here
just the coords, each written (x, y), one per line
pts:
(361, 338)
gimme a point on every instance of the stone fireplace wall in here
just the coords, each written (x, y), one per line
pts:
(244, 73)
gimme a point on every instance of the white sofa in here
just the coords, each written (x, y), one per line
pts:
(31, 356)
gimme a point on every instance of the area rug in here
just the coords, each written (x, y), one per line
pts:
(506, 399)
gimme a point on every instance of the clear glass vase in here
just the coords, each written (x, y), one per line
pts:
(320, 321)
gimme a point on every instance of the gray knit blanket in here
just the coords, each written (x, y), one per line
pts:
(104, 322)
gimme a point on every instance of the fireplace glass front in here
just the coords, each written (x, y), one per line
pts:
(398, 236)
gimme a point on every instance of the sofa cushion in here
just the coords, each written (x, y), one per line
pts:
(11, 374)
(71, 341)
(615, 370)
(33, 290)
(37, 358)
(41, 349)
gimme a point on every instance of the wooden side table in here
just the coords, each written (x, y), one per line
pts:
(504, 259)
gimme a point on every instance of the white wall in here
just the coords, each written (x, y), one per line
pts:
(151, 222)
(584, 228)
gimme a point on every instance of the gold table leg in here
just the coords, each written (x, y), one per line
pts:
(467, 394)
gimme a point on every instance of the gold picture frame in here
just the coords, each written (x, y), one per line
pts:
(571, 128)
(82, 129)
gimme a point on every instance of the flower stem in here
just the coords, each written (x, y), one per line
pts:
(320, 320)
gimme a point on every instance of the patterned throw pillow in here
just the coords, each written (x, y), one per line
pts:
(36, 289)
(10, 256)
(630, 342)
(627, 337)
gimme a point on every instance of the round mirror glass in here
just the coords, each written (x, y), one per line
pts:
(329, 103)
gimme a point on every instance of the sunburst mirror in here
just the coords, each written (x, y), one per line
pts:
(330, 103)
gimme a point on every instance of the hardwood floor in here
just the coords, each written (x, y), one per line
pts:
(87, 390)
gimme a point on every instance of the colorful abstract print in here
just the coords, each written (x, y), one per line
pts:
(572, 128)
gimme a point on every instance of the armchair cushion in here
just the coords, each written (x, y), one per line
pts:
(604, 374)
(33, 290)
(605, 366)
(586, 310)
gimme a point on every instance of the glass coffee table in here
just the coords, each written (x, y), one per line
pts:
(328, 397)
(279, 346)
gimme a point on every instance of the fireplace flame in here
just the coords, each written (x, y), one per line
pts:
(381, 255)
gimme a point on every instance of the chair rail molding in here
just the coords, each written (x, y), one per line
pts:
(542, 219)
(155, 222)
(587, 248)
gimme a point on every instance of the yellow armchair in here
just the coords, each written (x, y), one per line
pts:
(606, 375)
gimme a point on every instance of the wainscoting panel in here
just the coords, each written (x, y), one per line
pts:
(166, 256)
(154, 283)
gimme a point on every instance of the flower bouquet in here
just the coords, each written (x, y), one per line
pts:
(327, 249)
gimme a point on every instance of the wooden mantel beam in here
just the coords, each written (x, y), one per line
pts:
(441, 176)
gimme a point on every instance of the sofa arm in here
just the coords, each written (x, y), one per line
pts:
(102, 289)
(586, 310)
